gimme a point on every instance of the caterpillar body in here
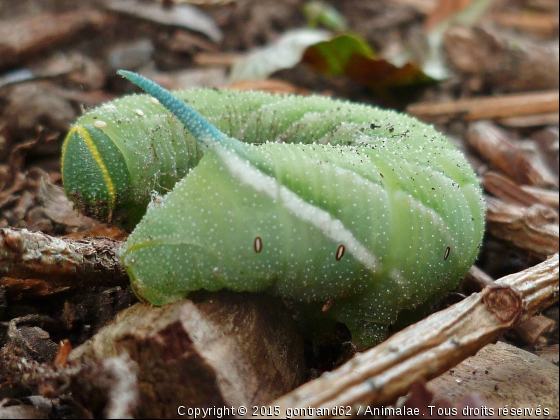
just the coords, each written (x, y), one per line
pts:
(323, 201)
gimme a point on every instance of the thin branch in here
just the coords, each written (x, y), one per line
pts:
(488, 108)
(60, 261)
(430, 347)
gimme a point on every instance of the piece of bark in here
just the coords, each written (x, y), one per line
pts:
(543, 24)
(219, 349)
(15, 412)
(28, 336)
(273, 86)
(548, 142)
(445, 10)
(476, 279)
(218, 59)
(528, 121)
(507, 63)
(423, 6)
(507, 190)
(181, 42)
(547, 197)
(429, 405)
(496, 147)
(532, 228)
(21, 38)
(18, 288)
(31, 105)
(534, 328)
(60, 261)
(507, 377)
(109, 388)
(205, 3)
(547, 6)
(550, 353)
(494, 107)
(430, 347)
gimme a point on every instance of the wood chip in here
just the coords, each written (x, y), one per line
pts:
(531, 330)
(506, 62)
(532, 228)
(269, 85)
(507, 377)
(550, 353)
(507, 190)
(488, 107)
(528, 121)
(216, 350)
(548, 197)
(216, 59)
(496, 147)
(22, 38)
(544, 24)
(478, 278)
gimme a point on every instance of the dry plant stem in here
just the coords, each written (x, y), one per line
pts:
(533, 228)
(216, 59)
(432, 346)
(496, 147)
(528, 121)
(478, 278)
(61, 261)
(549, 197)
(488, 108)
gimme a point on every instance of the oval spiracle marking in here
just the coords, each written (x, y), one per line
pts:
(340, 252)
(447, 252)
(257, 244)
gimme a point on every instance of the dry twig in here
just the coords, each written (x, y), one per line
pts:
(432, 346)
(60, 261)
(496, 147)
(488, 108)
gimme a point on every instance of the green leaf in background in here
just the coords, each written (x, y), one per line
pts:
(332, 55)
(350, 56)
(319, 13)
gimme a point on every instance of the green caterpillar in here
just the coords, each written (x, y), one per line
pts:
(371, 217)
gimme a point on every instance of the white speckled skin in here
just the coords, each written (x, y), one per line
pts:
(379, 227)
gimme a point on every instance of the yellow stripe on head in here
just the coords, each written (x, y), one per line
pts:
(96, 156)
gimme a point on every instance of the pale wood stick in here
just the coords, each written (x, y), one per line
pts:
(432, 346)
(488, 107)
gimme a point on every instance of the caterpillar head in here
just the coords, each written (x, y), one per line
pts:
(95, 174)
